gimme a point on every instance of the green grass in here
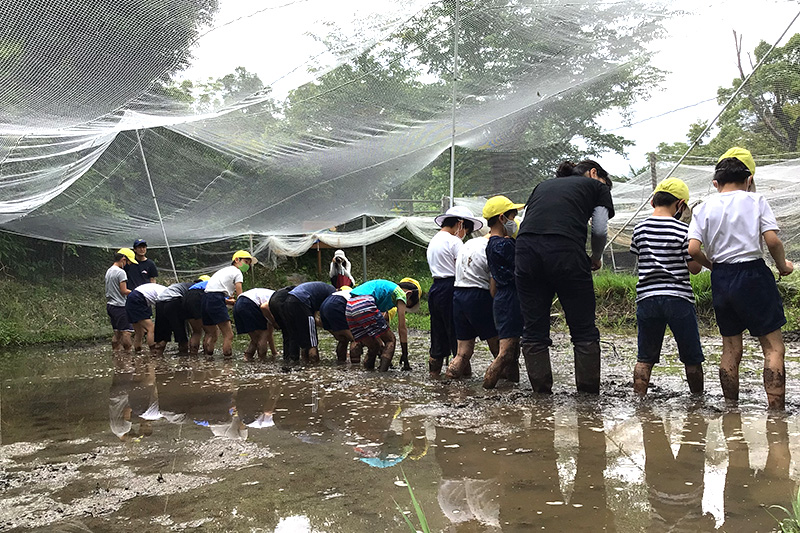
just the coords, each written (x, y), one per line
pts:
(421, 519)
(790, 524)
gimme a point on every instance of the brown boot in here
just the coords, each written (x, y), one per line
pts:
(587, 366)
(537, 363)
(496, 370)
(435, 367)
(459, 368)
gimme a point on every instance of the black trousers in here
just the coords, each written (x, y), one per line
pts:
(277, 305)
(552, 265)
(443, 330)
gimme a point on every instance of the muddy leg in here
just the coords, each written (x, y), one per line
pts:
(729, 366)
(227, 338)
(389, 342)
(197, 333)
(458, 366)
(356, 351)
(373, 349)
(341, 351)
(209, 339)
(251, 349)
(641, 378)
(509, 349)
(774, 370)
(694, 376)
(435, 367)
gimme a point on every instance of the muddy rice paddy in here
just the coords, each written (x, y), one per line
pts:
(90, 443)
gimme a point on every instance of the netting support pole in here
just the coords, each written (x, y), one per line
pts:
(155, 202)
(707, 128)
(364, 248)
(453, 102)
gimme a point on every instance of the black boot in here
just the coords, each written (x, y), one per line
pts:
(537, 362)
(587, 366)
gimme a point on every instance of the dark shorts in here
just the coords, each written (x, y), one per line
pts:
(119, 318)
(215, 310)
(440, 307)
(472, 314)
(291, 351)
(299, 322)
(170, 321)
(507, 314)
(364, 319)
(248, 316)
(137, 307)
(193, 304)
(332, 313)
(654, 314)
(746, 296)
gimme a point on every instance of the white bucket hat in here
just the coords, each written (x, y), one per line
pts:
(459, 211)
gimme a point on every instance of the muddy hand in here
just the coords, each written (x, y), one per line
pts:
(404, 356)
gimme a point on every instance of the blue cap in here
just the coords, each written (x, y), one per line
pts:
(139, 242)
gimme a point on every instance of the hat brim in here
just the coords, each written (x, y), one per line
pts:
(477, 222)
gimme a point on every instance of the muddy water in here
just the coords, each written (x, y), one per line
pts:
(90, 443)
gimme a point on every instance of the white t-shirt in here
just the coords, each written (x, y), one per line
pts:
(151, 291)
(472, 267)
(259, 296)
(442, 253)
(225, 280)
(730, 225)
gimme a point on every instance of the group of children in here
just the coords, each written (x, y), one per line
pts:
(475, 292)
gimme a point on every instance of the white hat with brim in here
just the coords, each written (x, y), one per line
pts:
(459, 211)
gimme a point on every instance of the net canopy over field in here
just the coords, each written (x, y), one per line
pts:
(282, 118)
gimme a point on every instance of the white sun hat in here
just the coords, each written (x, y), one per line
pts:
(459, 211)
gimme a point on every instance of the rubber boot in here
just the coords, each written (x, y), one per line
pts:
(537, 363)
(587, 366)
(435, 367)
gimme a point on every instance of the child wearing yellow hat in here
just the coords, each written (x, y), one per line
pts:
(116, 293)
(725, 235)
(664, 293)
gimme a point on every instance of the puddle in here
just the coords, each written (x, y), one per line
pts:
(89, 443)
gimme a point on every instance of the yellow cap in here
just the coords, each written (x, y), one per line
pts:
(675, 187)
(127, 252)
(346, 288)
(497, 205)
(415, 282)
(204, 277)
(243, 254)
(742, 155)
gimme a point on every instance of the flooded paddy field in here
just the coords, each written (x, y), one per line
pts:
(90, 443)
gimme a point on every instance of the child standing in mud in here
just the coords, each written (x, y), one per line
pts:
(729, 227)
(664, 293)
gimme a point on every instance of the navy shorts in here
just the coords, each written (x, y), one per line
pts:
(507, 314)
(299, 322)
(472, 314)
(746, 296)
(193, 304)
(215, 310)
(248, 316)
(137, 307)
(654, 314)
(332, 313)
(170, 321)
(119, 318)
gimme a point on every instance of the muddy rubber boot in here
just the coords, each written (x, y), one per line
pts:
(386, 364)
(587, 367)
(537, 363)
(435, 367)
(498, 368)
(458, 368)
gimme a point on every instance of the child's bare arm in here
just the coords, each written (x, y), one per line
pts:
(698, 255)
(775, 246)
(694, 267)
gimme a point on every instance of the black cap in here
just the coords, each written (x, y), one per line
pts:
(139, 242)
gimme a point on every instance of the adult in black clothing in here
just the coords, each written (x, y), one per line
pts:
(551, 260)
(143, 272)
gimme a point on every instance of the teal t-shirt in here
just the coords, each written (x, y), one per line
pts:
(384, 291)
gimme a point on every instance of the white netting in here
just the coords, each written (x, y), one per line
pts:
(288, 118)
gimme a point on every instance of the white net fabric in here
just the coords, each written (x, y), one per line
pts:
(288, 118)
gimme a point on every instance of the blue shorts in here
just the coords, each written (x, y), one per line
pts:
(746, 296)
(119, 318)
(654, 314)
(215, 310)
(248, 316)
(507, 314)
(472, 314)
(137, 307)
(332, 313)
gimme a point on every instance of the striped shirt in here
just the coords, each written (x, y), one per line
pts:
(662, 246)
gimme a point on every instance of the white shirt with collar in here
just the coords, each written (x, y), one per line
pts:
(442, 254)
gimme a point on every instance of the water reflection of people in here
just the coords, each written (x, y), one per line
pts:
(749, 493)
(133, 398)
(675, 483)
